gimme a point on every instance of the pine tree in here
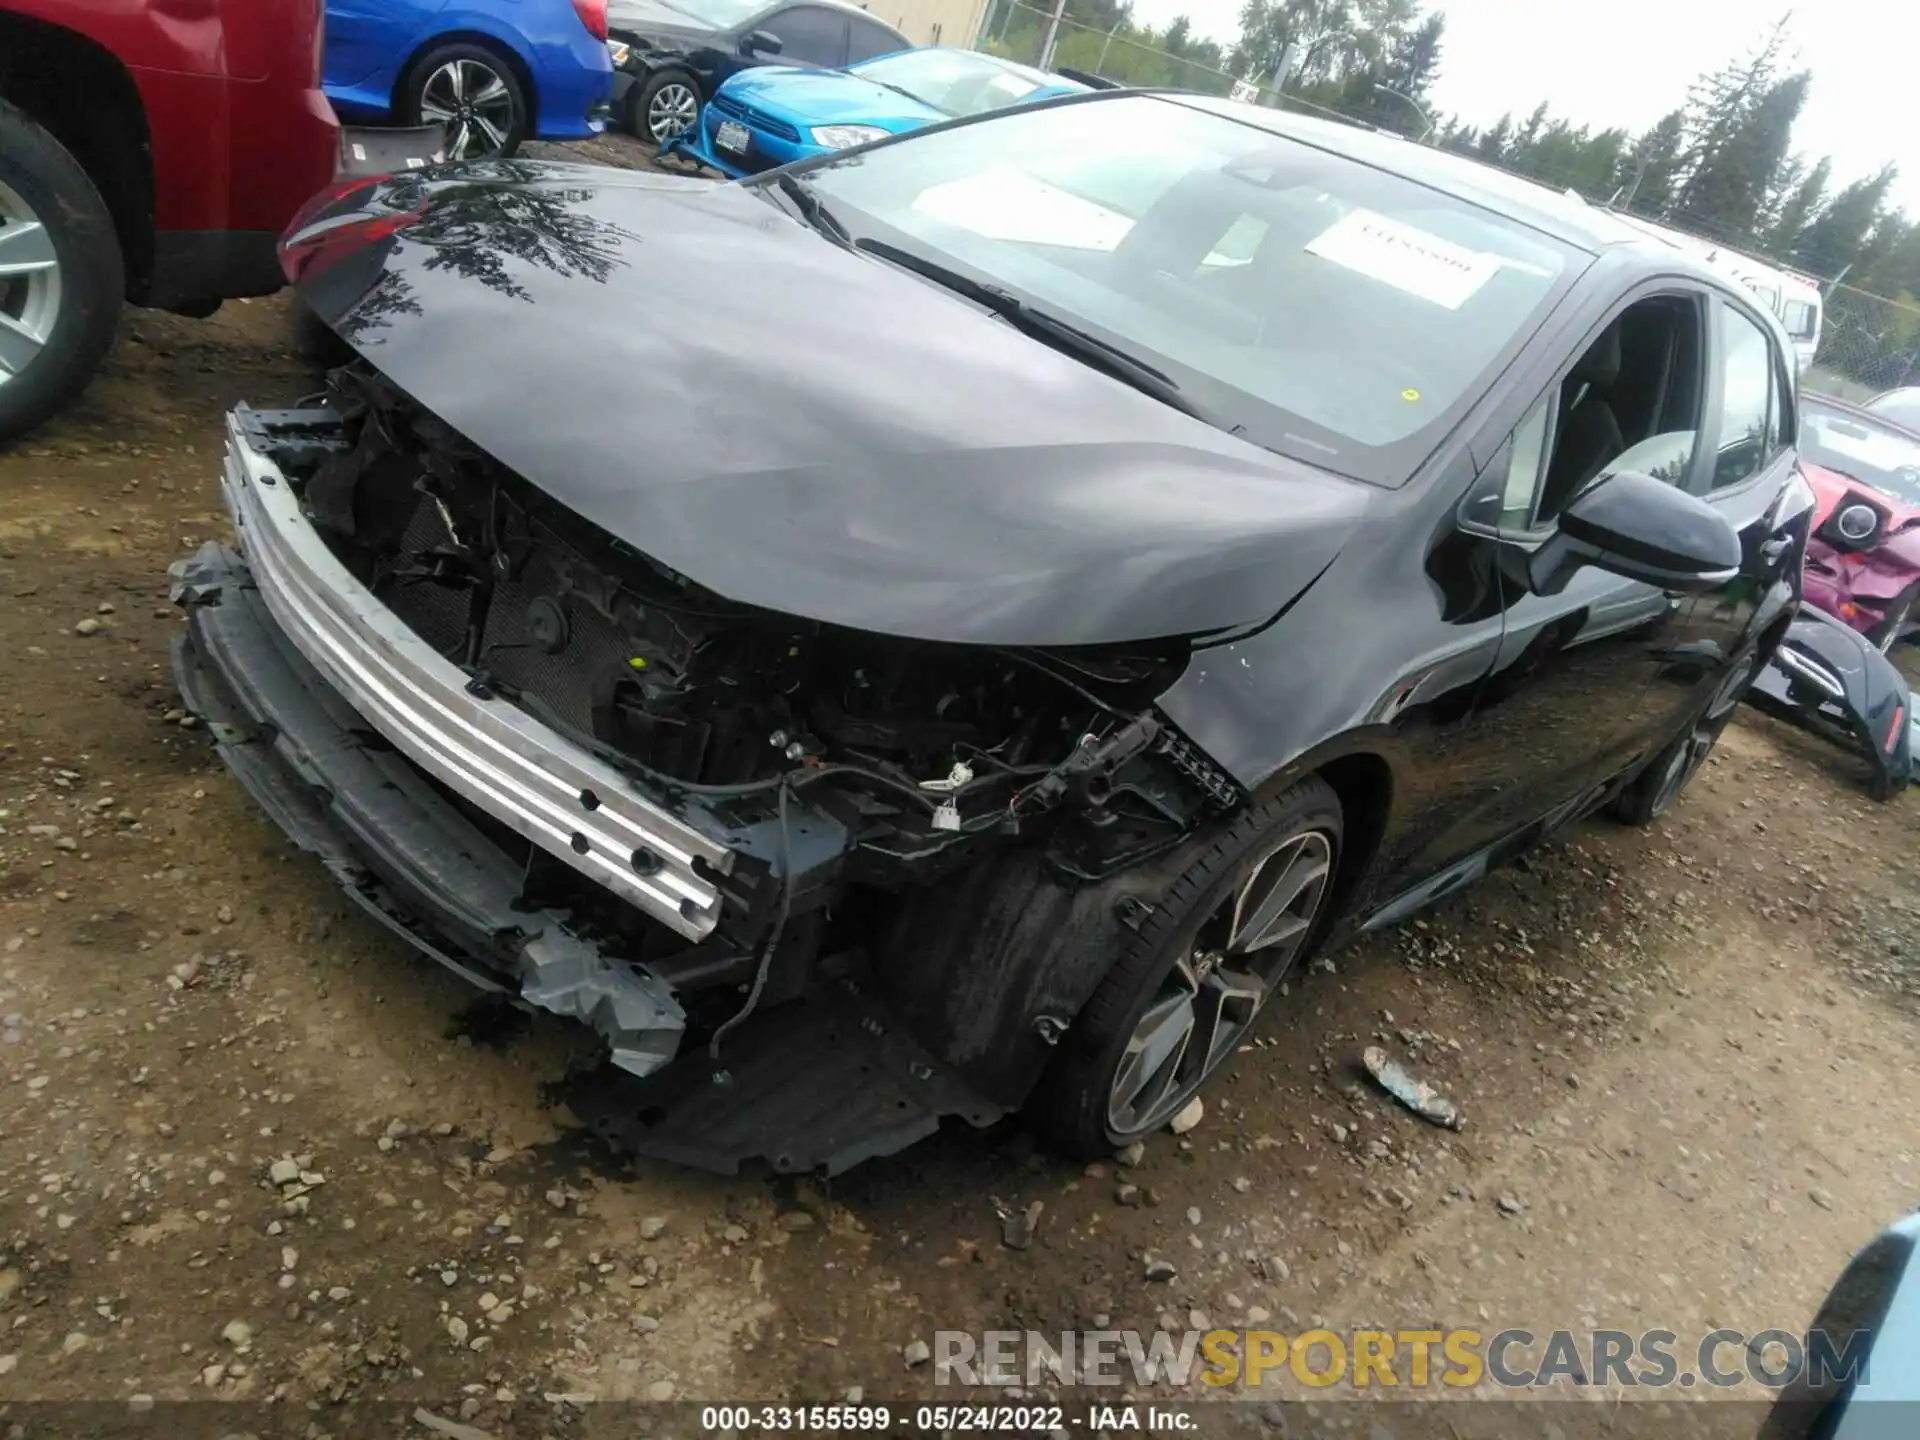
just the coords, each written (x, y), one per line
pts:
(1496, 144)
(1800, 205)
(1651, 170)
(1725, 195)
(1838, 236)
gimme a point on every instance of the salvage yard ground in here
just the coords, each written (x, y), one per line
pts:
(250, 1147)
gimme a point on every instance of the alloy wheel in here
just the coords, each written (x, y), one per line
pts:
(29, 284)
(1691, 753)
(473, 101)
(1208, 1002)
(672, 111)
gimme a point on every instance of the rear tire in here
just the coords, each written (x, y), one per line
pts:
(475, 92)
(1655, 789)
(56, 321)
(1079, 1103)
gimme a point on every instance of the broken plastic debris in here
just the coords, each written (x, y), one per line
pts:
(1418, 1096)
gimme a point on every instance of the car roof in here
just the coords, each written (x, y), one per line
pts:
(1567, 218)
(1864, 412)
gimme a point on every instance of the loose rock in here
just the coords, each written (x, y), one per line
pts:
(1188, 1116)
(917, 1352)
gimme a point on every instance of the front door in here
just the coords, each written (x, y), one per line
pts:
(1573, 698)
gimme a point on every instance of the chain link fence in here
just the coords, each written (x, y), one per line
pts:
(1017, 31)
(1867, 344)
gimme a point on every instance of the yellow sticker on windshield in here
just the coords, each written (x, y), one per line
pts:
(1409, 394)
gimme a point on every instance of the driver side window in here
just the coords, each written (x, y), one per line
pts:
(1630, 402)
(809, 35)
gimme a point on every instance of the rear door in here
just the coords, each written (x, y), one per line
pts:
(808, 35)
(369, 37)
(867, 39)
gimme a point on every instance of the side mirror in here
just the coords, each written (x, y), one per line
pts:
(1642, 528)
(761, 42)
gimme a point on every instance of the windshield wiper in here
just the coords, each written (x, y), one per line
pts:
(816, 215)
(1063, 335)
(902, 90)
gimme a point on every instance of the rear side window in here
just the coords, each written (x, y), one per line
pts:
(868, 38)
(809, 35)
(1753, 413)
(1800, 319)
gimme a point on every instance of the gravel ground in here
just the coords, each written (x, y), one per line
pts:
(254, 1149)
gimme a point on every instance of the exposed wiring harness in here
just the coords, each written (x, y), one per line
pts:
(772, 944)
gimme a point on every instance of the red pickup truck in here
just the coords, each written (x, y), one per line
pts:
(150, 151)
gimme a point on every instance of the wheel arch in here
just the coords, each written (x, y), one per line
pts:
(1363, 779)
(79, 92)
(984, 966)
(502, 45)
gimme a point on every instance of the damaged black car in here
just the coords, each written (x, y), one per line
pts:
(944, 631)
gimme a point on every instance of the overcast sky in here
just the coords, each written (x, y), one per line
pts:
(1627, 62)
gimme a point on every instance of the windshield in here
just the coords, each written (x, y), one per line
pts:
(720, 14)
(1861, 448)
(954, 82)
(1323, 308)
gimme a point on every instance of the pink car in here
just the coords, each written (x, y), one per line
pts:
(1863, 560)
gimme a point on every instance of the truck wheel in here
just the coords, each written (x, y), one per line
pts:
(1187, 988)
(61, 276)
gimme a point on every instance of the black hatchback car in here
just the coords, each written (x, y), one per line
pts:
(669, 56)
(1018, 589)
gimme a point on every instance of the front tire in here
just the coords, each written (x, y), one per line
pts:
(1189, 984)
(62, 278)
(475, 93)
(666, 107)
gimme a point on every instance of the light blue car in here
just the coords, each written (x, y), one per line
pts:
(775, 114)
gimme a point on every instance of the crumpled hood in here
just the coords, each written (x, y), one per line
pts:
(801, 428)
(828, 97)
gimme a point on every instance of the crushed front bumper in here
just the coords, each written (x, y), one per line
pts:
(355, 737)
(548, 789)
(402, 851)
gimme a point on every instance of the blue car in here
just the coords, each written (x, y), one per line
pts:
(493, 72)
(776, 114)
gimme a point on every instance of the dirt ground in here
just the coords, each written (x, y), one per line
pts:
(1685, 1058)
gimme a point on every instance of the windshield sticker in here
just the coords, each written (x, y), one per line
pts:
(1009, 204)
(1405, 257)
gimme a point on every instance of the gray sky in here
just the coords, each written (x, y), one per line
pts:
(1627, 62)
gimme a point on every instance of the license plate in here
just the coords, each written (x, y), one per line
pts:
(731, 135)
